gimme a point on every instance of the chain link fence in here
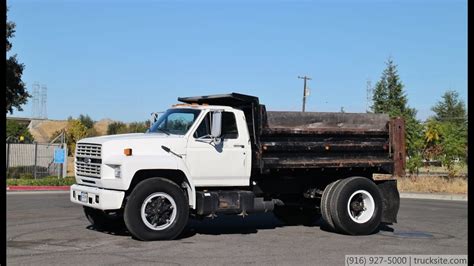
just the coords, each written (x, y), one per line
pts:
(34, 160)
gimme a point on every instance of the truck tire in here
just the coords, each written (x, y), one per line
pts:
(157, 209)
(103, 221)
(295, 215)
(356, 206)
(325, 205)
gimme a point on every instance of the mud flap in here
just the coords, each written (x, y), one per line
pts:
(391, 200)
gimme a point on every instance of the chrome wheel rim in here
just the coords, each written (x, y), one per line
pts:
(361, 206)
(158, 211)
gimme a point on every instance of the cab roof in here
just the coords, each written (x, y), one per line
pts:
(233, 99)
(200, 106)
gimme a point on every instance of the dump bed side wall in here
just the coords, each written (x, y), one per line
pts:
(296, 140)
(326, 120)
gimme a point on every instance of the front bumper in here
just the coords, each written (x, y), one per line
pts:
(98, 198)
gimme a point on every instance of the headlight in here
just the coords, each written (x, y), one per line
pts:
(117, 171)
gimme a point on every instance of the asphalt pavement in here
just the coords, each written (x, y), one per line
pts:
(47, 229)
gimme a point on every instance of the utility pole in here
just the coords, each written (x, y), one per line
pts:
(305, 92)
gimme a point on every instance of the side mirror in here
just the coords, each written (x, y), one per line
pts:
(216, 124)
(154, 117)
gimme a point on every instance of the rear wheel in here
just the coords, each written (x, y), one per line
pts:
(325, 205)
(356, 206)
(157, 209)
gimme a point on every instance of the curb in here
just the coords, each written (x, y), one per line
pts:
(37, 188)
(434, 196)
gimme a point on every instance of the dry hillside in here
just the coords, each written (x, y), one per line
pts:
(43, 130)
(101, 126)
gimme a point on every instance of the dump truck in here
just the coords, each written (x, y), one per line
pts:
(226, 155)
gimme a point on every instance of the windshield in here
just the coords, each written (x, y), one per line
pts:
(175, 121)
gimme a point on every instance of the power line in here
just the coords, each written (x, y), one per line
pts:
(35, 97)
(44, 95)
(369, 92)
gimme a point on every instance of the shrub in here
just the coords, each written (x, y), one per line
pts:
(47, 181)
(15, 130)
(26, 176)
(25, 171)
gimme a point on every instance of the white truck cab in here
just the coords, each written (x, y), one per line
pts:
(180, 141)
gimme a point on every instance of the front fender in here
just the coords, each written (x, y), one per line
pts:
(130, 165)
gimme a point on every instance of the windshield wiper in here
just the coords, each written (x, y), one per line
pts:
(164, 131)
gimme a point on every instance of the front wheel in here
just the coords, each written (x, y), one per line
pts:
(356, 206)
(157, 209)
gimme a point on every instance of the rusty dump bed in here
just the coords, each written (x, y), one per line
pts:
(327, 140)
(317, 140)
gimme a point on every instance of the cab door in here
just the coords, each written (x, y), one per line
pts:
(220, 164)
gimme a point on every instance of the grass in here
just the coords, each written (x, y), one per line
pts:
(435, 184)
(459, 169)
(46, 181)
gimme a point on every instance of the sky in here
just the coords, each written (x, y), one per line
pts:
(122, 60)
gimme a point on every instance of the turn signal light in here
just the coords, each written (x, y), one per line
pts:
(127, 152)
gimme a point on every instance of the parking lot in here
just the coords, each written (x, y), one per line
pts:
(45, 228)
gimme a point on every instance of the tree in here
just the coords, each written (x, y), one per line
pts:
(389, 97)
(86, 121)
(75, 131)
(451, 109)
(15, 130)
(454, 145)
(446, 131)
(380, 96)
(16, 94)
(117, 128)
(138, 127)
(432, 131)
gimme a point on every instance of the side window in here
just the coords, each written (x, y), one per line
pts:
(229, 126)
(204, 129)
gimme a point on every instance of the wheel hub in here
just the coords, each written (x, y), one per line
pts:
(361, 206)
(158, 211)
(357, 205)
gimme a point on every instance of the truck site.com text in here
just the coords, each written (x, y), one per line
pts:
(406, 260)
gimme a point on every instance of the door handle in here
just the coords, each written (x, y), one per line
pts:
(239, 146)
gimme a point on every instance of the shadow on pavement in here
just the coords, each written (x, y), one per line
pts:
(383, 227)
(116, 231)
(232, 224)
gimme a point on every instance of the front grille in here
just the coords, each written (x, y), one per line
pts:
(88, 150)
(88, 160)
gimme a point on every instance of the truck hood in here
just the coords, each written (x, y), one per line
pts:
(127, 137)
(142, 144)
